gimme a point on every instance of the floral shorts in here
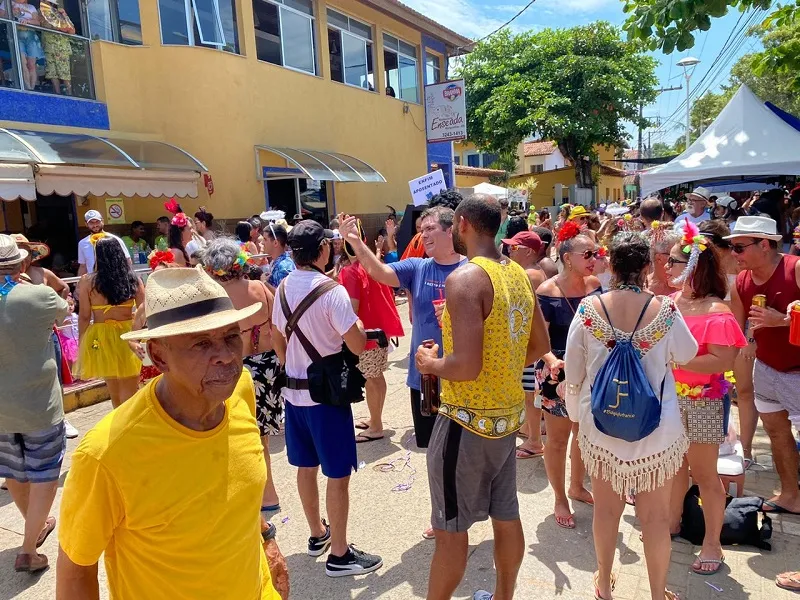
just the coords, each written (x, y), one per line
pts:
(551, 401)
(373, 363)
(705, 421)
(57, 52)
(265, 369)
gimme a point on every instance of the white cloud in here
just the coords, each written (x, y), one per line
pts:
(459, 15)
(582, 6)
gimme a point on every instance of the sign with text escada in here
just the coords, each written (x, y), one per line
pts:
(446, 111)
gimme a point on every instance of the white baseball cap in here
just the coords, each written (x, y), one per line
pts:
(92, 215)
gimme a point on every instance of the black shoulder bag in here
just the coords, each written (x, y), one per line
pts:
(335, 379)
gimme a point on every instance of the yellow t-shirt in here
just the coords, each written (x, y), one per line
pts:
(176, 511)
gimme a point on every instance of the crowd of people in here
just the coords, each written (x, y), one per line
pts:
(610, 336)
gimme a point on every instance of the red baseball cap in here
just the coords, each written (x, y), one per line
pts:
(527, 239)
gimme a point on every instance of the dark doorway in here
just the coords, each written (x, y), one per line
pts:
(281, 196)
(51, 219)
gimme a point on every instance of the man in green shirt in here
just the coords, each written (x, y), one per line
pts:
(503, 231)
(162, 239)
(138, 247)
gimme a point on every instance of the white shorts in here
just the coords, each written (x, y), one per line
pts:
(776, 391)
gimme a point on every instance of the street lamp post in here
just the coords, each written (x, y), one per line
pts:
(687, 62)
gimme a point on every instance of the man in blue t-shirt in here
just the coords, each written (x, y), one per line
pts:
(424, 279)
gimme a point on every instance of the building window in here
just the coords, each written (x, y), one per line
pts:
(209, 23)
(473, 160)
(456, 160)
(115, 21)
(489, 160)
(432, 70)
(350, 45)
(537, 168)
(45, 49)
(400, 62)
(285, 33)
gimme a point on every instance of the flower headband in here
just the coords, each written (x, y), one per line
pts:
(694, 243)
(158, 257)
(568, 230)
(239, 263)
(96, 237)
(180, 220)
(624, 222)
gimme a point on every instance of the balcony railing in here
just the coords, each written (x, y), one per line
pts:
(43, 60)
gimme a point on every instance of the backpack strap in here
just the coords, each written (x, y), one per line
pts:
(293, 318)
(608, 318)
(641, 316)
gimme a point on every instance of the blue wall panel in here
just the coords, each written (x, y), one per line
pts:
(46, 109)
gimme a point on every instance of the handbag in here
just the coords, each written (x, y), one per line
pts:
(334, 380)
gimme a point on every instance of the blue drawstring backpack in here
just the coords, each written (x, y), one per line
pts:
(624, 405)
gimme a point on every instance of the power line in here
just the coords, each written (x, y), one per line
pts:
(504, 25)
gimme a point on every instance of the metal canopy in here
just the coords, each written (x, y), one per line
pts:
(323, 166)
(41, 147)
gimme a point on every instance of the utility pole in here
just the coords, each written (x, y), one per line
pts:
(659, 91)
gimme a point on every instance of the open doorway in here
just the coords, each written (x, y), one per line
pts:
(304, 197)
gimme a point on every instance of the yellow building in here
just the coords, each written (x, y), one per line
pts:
(308, 106)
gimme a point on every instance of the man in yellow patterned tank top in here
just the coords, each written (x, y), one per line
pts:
(491, 330)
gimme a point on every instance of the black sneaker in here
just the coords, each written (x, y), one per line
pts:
(355, 562)
(319, 546)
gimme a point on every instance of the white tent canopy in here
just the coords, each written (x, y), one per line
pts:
(491, 190)
(746, 139)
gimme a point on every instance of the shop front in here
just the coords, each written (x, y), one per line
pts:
(47, 178)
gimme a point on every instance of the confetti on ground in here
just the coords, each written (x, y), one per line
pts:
(362, 465)
(285, 520)
(398, 465)
(713, 587)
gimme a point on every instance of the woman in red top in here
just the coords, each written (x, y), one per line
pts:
(374, 304)
(695, 266)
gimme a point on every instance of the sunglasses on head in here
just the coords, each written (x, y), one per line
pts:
(587, 254)
(671, 262)
(740, 248)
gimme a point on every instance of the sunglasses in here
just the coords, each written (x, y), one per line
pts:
(671, 262)
(587, 254)
(740, 248)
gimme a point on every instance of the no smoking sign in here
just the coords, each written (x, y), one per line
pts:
(115, 210)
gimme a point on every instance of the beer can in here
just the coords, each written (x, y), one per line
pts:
(760, 300)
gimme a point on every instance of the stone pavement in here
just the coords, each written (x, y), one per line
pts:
(558, 563)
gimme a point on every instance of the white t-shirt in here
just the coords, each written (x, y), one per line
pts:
(704, 216)
(86, 251)
(324, 324)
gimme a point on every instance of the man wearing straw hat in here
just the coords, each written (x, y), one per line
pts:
(32, 441)
(776, 372)
(169, 485)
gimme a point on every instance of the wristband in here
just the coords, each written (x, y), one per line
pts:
(269, 533)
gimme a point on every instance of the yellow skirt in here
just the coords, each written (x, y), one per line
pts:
(104, 356)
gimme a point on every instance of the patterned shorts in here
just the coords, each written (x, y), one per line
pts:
(57, 51)
(551, 401)
(33, 457)
(264, 369)
(704, 420)
(530, 383)
(373, 363)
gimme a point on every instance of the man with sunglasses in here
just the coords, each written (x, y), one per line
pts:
(696, 211)
(776, 373)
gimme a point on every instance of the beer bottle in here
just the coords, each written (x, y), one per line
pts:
(430, 389)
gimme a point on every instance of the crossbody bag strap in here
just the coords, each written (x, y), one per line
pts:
(608, 318)
(641, 316)
(565, 297)
(293, 318)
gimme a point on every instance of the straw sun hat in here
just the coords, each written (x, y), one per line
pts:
(180, 301)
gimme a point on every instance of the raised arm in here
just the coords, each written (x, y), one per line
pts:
(380, 272)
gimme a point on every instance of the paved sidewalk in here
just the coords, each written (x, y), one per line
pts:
(558, 563)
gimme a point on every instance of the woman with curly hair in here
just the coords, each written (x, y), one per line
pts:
(226, 261)
(106, 299)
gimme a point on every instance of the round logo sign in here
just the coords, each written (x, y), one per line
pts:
(115, 211)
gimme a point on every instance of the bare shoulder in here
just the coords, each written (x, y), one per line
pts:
(549, 288)
(719, 306)
(466, 275)
(536, 277)
(592, 283)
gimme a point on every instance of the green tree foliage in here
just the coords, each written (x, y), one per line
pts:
(661, 149)
(671, 25)
(573, 86)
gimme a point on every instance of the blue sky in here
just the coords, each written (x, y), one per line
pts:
(476, 18)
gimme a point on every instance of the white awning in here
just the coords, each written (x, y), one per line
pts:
(16, 181)
(65, 180)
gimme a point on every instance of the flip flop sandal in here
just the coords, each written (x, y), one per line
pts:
(576, 499)
(565, 522)
(707, 561)
(429, 534)
(271, 508)
(362, 425)
(776, 509)
(30, 563)
(789, 581)
(597, 595)
(49, 526)
(671, 595)
(363, 438)
(525, 453)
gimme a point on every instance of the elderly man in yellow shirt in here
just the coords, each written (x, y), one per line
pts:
(169, 485)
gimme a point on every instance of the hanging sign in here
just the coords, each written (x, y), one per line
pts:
(446, 111)
(209, 183)
(426, 187)
(115, 211)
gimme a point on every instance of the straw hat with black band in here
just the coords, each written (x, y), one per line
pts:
(10, 253)
(180, 301)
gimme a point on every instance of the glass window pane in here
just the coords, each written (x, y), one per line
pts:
(206, 14)
(173, 22)
(304, 6)
(4, 12)
(362, 168)
(489, 160)
(337, 19)
(12, 150)
(355, 60)
(56, 148)
(268, 32)
(473, 160)
(390, 42)
(316, 169)
(361, 29)
(341, 169)
(8, 57)
(298, 45)
(227, 12)
(432, 70)
(408, 79)
(335, 51)
(408, 49)
(155, 155)
(370, 69)
(98, 13)
(130, 23)
(392, 74)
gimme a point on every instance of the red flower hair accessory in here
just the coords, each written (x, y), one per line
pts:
(568, 230)
(173, 207)
(180, 220)
(159, 257)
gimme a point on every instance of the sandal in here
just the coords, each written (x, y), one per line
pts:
(429, 534)
(49, 526)
(789, 581)
(597, 595)
(30, 563)
(707, 561)
(362, 425)
(363, 438)
(671, 595)
(523, 453)
(567, 522)
(587, 502)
